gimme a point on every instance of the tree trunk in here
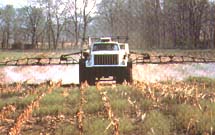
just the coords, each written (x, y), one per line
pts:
(53, 38)
(49, 25)
(157, 14)
(214, 38)
(76, 25)
(85, 27)
(49, 38)
(33, 38)
(4, 39)
(8, 37)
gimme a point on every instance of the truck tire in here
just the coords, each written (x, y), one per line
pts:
(82, 71)
(128, 72)
(90, 76)
(120, 76)
(85, 74)
(125, 74)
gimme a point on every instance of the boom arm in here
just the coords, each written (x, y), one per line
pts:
(137, 58)
(66, 59)
(144, 58)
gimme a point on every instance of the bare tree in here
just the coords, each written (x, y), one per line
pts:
(59, 12)
(7, 18)
(56, 13)
(34, 16)
(159, 23)
(76, 23)
(86, 17)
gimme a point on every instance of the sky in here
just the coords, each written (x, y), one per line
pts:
(22, 3)
(15, 3)
(19, 3)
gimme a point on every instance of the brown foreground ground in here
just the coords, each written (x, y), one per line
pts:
(165, 108)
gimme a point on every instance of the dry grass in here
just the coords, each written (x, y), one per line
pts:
(162, 108)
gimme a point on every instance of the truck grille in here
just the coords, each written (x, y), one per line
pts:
(106, 59)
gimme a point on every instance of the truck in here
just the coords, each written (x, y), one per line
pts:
(106, 57)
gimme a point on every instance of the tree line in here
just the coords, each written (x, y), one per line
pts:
(184, 24)
(161, 23)
(46, 23)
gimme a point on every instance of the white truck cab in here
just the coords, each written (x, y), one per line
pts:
(106, 58)
(108, 53)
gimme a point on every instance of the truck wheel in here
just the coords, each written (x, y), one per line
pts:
(120, 76)
(82, 71)
(85, 74)
(128, 72)
(90, 76)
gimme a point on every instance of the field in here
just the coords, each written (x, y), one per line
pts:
(162, 108)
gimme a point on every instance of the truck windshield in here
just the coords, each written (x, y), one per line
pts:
(105, 47)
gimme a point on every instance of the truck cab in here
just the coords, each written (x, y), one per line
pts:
(106, 53)
(106, 58)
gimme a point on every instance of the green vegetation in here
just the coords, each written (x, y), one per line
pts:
(156, 123)
(8, 55)
(56, 104)
(165, 108)
(96, 126)
(93, 103)
(20, 102)
(205, 80)
(12, 55)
